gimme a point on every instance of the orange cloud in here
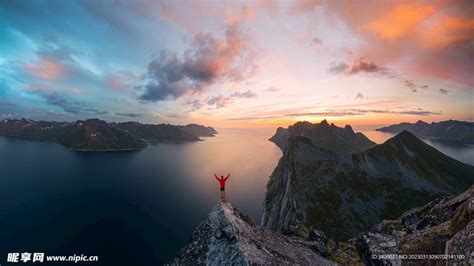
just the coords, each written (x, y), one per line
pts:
(400, 20)
(446, 30)
(45, 69)
(427, 39)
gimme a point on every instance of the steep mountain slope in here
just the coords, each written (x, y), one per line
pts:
(345, 194)
(451, 129)
(323, 135)
(228, 237)
(405, 151)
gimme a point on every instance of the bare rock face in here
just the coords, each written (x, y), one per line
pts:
(228, 237)
(463, 243)
(442, 227)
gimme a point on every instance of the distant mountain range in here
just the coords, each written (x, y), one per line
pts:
(451, 129)
(340, 182)
(95, 134)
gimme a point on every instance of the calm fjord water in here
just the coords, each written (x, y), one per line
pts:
(132, 208)
(129, 208)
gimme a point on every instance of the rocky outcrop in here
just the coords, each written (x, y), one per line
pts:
(441, 228)
(344, 194)
(343, 252)
(280, 137)
(451, 129)
(228, 237)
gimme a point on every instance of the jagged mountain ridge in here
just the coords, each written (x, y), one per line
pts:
(228, 237)
(95, 134)
(450, 129)
(354, 191)
(323, 135)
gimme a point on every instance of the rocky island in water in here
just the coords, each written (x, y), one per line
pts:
(337, 197)
(98, 135)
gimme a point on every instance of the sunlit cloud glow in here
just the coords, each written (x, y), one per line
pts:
(228, 63)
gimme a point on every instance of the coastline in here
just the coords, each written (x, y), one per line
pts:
(107, 150)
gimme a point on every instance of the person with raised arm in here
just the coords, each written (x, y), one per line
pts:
(222, 180)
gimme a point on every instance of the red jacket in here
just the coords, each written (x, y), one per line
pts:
(222, 180)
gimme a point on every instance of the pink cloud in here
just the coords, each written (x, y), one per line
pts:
(208, 61)
(121, 80)
(45, 69)
(400, 20)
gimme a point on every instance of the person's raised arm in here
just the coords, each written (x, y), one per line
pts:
(227, 177)
(216, 176)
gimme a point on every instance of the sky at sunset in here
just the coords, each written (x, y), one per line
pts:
(229, 63)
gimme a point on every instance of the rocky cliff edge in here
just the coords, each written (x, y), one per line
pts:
(228, 237)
